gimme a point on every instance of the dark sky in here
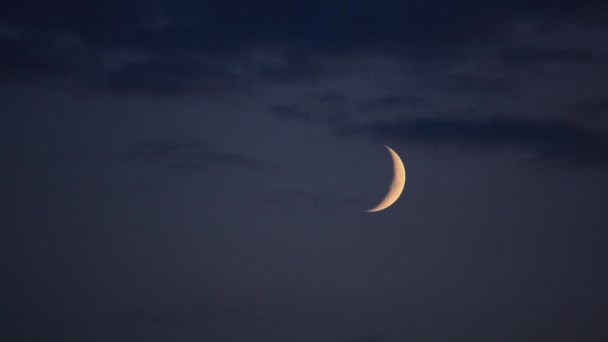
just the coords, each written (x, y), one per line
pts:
(191, 171)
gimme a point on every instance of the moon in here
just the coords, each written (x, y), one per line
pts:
(397, 184)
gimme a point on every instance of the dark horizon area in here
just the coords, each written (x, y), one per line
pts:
(199, 171)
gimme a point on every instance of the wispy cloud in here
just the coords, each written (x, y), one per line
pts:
(190, 154)
(288, 46)
(115, 325)
(527, 55)
(372, 338)
(595, 108)
(545, 139)
(392, 101)
(306, 197)
(166, 76)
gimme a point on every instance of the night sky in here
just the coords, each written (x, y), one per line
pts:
(192, 171)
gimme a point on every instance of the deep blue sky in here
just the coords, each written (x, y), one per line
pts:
(193, 171)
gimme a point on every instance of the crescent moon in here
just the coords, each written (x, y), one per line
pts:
(397, 184)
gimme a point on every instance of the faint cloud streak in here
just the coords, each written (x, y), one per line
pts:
(190, 154)
(554, 140)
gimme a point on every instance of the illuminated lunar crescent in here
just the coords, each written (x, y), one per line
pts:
(397, 184)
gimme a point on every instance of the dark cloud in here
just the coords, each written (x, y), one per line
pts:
(190, 154)
(293, 113)
(479, 84)
(591, 109)
(306, 197)
(393, 101)
(546, 139)
(83, 326)
(283, 66)
(20, 62)
(379, 338)
(170, 76)
(526, 55)
(302, 35)
(320, 114)
(119, 325)
(509, 69)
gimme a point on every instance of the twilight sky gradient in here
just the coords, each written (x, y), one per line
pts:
(197, 171)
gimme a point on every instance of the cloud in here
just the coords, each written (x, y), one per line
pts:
(392, 101)
(373, 338)
(19, 62)
(480, 84)
(546, 139)
(525, 55)
(328, 107)
(595, 108)
(293, 113)
(156, 18)
(118, 325)
(11, 33)
(280, 42)
(306, 197)
(190, 154)
(84, 326)
(165, 76)
(319, 116)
